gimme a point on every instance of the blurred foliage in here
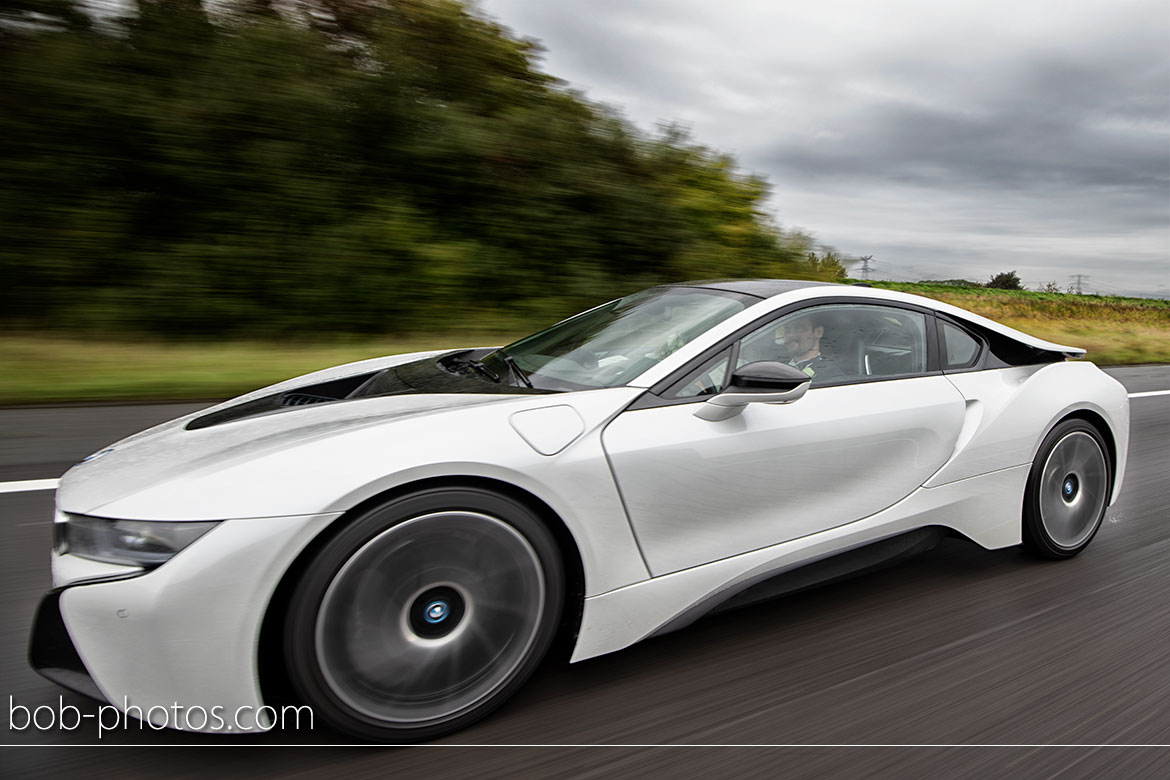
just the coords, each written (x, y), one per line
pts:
(829, 265)
(294, 168)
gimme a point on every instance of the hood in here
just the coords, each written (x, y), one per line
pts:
(172, 451)
(257, 423)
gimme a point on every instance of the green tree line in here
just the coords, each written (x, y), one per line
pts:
(294, 168)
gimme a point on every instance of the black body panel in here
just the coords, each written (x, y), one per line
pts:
(761, 288)
(862, 560)
(841, 566)
(445, 375)
(52, 654)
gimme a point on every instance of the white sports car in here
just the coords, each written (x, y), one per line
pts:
(397, 542)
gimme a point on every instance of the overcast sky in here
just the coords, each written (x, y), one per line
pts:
(947, 138)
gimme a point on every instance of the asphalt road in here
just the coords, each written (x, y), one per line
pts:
(960, 646)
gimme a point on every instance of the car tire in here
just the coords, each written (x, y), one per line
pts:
(424, 614)
(1067, 491)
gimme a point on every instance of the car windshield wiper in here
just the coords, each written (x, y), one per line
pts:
(512, 364)
(481, 368)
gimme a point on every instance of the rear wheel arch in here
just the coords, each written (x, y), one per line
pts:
(275, 685)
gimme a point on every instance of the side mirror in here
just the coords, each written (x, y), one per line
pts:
(763, 382)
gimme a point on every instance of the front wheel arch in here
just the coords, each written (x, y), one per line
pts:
(275, 685)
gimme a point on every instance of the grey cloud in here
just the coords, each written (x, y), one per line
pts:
(965, 136)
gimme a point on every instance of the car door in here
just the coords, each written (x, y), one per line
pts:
(877, 421)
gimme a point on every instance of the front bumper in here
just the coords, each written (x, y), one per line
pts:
(186, 633)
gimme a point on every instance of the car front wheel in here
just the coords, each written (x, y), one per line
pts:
(424, 614)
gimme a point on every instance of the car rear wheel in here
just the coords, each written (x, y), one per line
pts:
(1068, 490)
(424, 614)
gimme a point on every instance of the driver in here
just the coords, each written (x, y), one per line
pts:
(800, 346)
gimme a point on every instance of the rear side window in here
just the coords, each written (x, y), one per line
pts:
(961, 349)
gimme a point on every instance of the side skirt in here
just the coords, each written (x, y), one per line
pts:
(986, 509)
(872, 557)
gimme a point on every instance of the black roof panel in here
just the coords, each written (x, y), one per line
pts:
(762, 288)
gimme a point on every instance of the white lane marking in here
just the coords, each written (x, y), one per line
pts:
(1150, 393)
(26, 485)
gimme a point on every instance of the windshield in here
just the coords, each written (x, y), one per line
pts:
(610, 345)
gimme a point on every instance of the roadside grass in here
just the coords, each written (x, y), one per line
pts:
(49, 369)
(38, 368)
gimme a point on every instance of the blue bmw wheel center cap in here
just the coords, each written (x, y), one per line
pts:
(436, 611)
(1069, 488)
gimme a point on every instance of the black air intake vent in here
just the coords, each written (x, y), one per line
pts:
(334, 390)
(303, 399)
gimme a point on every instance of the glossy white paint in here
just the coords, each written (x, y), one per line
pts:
(717, 506)
(697, 491)
(337, 456)
(986, 508)
(548, 429)
(1013, 409)
(224, 470)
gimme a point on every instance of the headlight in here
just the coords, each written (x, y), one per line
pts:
(125, 542)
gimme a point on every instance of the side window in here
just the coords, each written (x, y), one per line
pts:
(962, 349)
(839, 343)
(708, 379)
